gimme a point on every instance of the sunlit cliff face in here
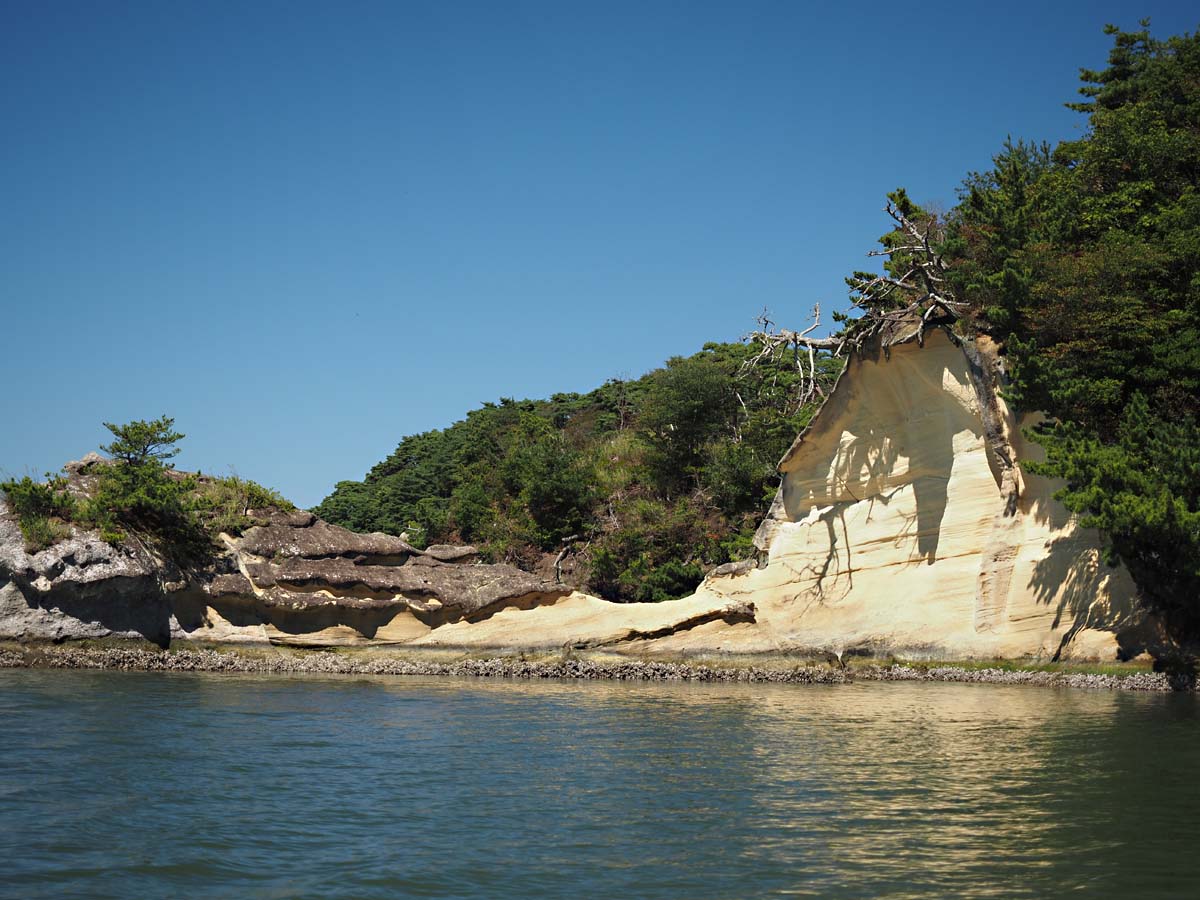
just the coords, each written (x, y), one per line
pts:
(897, 529)
(890, 530)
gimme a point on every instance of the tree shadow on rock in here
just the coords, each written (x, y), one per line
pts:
(1088, 594)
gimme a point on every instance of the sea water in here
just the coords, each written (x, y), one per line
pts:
(140, 785)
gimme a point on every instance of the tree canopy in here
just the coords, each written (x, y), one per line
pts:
(650, 481)
(1084, 261)
(140, 441)
(1081, 260)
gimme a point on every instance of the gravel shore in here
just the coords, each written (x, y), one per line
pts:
(205, 660)
(343, 664)
(1134, 681)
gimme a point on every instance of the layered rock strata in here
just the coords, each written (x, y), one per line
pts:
(904, 525)
(294, 580)
(299, 581)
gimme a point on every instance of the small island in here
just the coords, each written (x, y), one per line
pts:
(897, 594)
(994, 458)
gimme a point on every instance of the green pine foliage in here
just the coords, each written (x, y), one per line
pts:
(1084, 261)
(139, 497)
(1141, 486)
(652, 480)
(147, 501)
(141, 443)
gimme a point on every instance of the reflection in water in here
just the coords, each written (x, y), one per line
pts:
(139, 785)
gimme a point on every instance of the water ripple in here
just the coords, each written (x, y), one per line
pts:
(139, 784)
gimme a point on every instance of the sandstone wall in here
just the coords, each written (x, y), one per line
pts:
(893, 532)
(890, 532)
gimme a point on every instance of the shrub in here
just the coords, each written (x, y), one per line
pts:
(140, 494)
(32, 498)
(224, 503)
(42, 510)
(471, 511)
(658, 552)
(737, 477)
(40, 532)
(151, 501)
(555, 486)
(687, 404)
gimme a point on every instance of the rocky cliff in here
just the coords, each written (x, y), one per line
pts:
(903, 525)
(293, 580)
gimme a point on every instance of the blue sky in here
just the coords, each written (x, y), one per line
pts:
(306, 230)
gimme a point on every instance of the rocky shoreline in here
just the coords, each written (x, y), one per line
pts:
(324, 663)
(1133, 681)
(568, 666)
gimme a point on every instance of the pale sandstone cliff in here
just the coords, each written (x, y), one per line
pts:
(893, 531)
(902, 526)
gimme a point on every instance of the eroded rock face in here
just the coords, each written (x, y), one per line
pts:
(80, 588)
(898, 528)
(301, 534)
(295, 579)
(903, 525)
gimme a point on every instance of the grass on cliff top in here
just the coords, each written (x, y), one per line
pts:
(176, 510)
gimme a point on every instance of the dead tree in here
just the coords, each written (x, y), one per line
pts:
(895, 309)
(803, 348)
(921, 295)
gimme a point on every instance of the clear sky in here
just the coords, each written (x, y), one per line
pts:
(308, 229)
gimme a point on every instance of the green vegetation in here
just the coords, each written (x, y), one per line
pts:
(139, 496)
(42, 510)
(1084, 261)
(223, 503)
(651, 481)
(1081, 260)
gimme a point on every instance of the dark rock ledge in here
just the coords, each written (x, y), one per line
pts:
(302, 579)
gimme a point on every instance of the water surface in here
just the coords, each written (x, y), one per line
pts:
(201, 785)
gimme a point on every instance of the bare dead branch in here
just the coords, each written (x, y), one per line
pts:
(894, 309)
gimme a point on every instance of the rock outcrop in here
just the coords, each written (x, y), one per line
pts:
(293, 580)
(904, 525)
(79, 588)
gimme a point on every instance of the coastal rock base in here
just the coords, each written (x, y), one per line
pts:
(903, 527)
(767, 670)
